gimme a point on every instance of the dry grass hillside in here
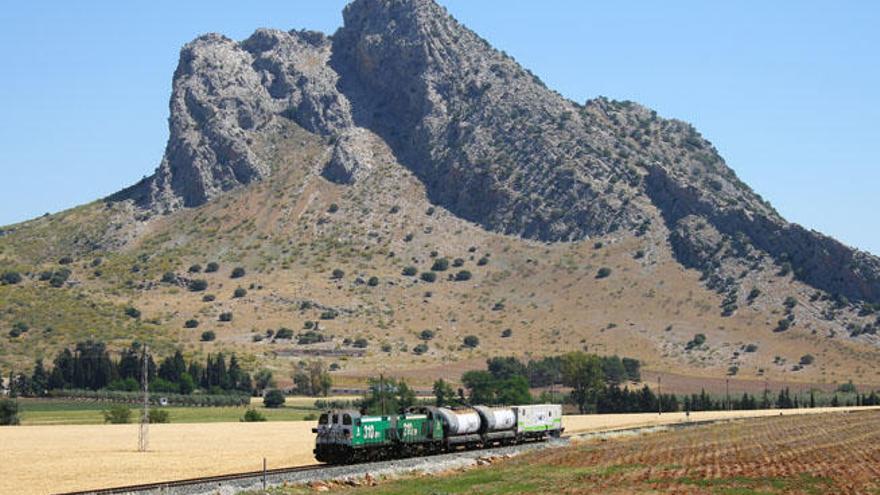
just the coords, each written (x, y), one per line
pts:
(291, 232)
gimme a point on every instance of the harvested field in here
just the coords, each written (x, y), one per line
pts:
(830, 453)
(45, 459)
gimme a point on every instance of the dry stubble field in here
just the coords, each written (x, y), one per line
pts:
(46, 459)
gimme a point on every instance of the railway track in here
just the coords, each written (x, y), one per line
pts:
(206, 481)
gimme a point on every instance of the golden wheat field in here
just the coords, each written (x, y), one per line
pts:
(51, 459)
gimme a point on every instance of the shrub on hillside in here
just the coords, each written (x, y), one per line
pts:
(191, 323)
(506, 333)
(360, 343)
(284, 334)
(420, 349)
(603, 272)
(463, 276)
(169, 278)
(226, 317)
(212, 267)
(209, 336)
(337, 274)
(429, 277)
(471, 341)
(197, 285)
(197, 268)
(807, 359)
(209, 298)
(373, 282)
(698, 340)
(440, 265)
(239, 293)
(483, 261)
(132, 312)
(237, 272)
(426, 335)
(410, 271)
(10, 278)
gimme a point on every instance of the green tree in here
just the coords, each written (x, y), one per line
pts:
(444, 395)
(159, 416)
(8, 412)
(583, 373)
(273, 399)
(263, 380)
(471, 341)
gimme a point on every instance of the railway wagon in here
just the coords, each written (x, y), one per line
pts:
(348, 436)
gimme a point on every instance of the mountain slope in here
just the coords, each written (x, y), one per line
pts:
(405, 137)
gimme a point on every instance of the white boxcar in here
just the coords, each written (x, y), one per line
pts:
(539, 420)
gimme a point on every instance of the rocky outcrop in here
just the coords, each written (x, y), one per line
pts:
(488, 139)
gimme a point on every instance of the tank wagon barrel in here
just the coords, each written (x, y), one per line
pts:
(347, 436)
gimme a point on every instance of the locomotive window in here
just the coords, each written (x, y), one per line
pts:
(335, 419)
(346, 420)
(324, 419)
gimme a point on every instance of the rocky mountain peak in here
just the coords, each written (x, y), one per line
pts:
(489, 141)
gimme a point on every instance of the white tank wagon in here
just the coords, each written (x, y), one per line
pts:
(460, 425)
(538, 421)
(499, 424)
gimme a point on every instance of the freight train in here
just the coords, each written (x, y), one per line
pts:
(348, 436)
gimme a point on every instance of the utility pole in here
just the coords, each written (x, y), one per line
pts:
(659, 397)
(382, 391)
(144, 431)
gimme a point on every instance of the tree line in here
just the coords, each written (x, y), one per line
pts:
(90, 366)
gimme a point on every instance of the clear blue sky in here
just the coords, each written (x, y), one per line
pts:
(787, 90)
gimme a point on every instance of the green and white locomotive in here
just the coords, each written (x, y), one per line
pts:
(347, 436)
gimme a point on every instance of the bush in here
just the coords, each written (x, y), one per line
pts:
(309, 338)
(790, 303)
(198, 285)
(360, 343)
(463, 276)
(209, 336)
(807, 359)
(440, 265)
(237, 272)
(209, 298)
(457, 263)
(10, 278)
(471, 341)
(57, 279)
(65, 260)
(429, 277)
(8, 412)
(333, 208)
(252, 416)
(603, 272)
(337, 274)
(410, 271)
(132, 312)
(783, 325)
(639, 254)
(426, 335)
(751, 348)
(420, 349)
(169, 278)
(284, 334)
(226, 317)
(159, 416)
(698, 340)
(117, 415)
(197, 268)
(483, 261)
(506, 333)
(598, 245)
(273, 399)
(239, 293)
(212, 267)
(386, 347)
(754, 294)
(191, 323)
(374, 281)
(330, 314)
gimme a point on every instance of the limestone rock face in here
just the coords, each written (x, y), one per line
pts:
(491, 143)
